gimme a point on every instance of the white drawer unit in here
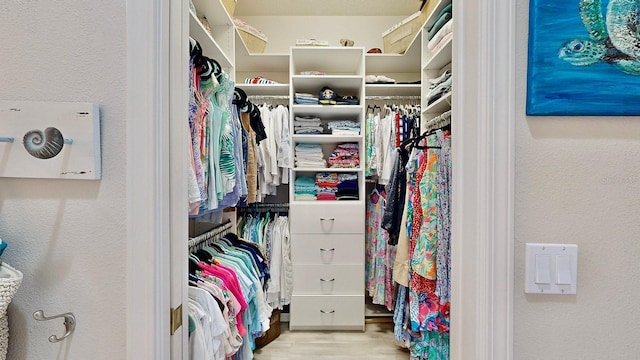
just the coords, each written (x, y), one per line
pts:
(328, 249)
(327, 235)
(328, 279)
(336, 217)
(325, 312)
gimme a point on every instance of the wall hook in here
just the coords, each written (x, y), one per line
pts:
(69, 324)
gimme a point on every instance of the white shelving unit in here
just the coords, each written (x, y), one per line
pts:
(327, 237)
(432, 64)
(219, 42)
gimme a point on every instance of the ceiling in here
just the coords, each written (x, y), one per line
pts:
(326, 7)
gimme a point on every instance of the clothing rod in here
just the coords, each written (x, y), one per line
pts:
(221, 229)
(268, 97)
(265, 206)
(393, 97)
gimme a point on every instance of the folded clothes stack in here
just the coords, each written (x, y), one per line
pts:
(258, 80)
(347, 187)
(305, 188)
(439, 86)
(327, 184)
(305, 99)
(344, 156)
(307, 125)
(309, 156)
(344, 127)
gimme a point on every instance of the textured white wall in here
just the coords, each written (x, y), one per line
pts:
(578, 181)
(282, 31)
(68, 237)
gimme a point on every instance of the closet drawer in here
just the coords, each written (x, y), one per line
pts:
(327, 249)
(328, 279)
(335, 217)
(327, 312)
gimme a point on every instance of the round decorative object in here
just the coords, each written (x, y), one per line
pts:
(43, 144)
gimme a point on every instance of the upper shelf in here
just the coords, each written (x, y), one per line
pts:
(210, 47)
(328, 112)
(380, 64)
(343, 84)
(392, 89)
(265, 89)
(330, 60)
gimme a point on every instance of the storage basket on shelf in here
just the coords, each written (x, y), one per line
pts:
(397, 39)
(230, 5)
(10, 280)
(254, 39)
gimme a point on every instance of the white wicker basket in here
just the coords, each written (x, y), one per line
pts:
(10, 280)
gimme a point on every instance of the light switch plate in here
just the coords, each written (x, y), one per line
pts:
(551, 268)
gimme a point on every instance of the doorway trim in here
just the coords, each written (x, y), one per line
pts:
(483, 180)
(483, 176)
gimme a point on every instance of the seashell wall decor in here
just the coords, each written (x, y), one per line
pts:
(36, 138)
(43, 144)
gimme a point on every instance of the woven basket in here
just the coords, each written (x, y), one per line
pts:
(10, 280)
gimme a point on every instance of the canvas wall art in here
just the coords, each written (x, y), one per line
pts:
(584, 57)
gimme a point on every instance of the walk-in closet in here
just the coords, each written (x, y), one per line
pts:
(320, 174)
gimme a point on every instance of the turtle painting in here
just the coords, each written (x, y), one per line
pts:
(613, 36)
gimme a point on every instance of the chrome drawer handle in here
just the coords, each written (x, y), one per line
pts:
(328, 280)
(327, 312)
(330, 219)
(332, 249)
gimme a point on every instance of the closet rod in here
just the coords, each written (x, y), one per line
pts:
(439, 121)
(268, 97)
(393, 97)
(264, 206)
(219, 230)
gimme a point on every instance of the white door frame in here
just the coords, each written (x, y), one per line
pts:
(483, 155)
(157, 153)
(483, 180)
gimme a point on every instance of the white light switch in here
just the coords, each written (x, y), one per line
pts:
(563, 270)
(543, 269)
(551, 268)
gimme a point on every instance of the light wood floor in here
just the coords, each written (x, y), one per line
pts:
(376, 343)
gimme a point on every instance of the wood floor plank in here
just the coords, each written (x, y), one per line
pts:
(375, 343)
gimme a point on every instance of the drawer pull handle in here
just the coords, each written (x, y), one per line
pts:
(325, 280)
(327, 312)
(330, 219)
(332, 249)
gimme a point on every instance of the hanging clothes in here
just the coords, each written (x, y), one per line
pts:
(379, 255)
(423, 261)
(386, 127)
(227, 305)
(271, 233)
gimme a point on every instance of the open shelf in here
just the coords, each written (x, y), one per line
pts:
(409, 62)
(441, 58)
(265, 89)
(328, 112)
(246, 62)
(392, 90)
(336, 170)
(342, 84)
(325, 138)
(441, 105)
(331, 60)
